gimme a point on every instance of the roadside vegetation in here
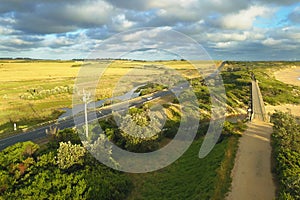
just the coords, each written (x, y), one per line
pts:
(276, 92)
(286, 153)
(190, 177)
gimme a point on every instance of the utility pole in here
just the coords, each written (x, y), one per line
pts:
(86, 98)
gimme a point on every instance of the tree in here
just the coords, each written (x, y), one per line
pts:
(101, 149)
(141, 131)
(70, 154)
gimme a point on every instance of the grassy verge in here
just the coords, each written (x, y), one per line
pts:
(190, 177)
(224, 172)
(27, 124)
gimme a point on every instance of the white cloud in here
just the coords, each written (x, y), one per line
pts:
(90, 12)
(221, 37)
(223, 25)
(120, 23)
(271, 42)
(244, 19)
(224, 45)
(231, 36)
(139, 35)
(291, 33)
(7, 20)
(6, 31)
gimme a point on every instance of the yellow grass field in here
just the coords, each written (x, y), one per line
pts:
(18, 78)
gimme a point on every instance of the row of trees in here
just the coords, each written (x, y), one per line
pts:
(286, 152)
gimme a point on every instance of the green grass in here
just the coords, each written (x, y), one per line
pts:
(189, 177)
(237, 86)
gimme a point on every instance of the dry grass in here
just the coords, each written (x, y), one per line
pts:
(19, 76)
(29, 71)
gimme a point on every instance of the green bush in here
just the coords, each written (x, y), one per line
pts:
(27, 174)
(286, 153)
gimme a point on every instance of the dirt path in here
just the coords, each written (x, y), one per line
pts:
(252, 178)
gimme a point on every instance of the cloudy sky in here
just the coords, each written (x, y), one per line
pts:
(226, 29)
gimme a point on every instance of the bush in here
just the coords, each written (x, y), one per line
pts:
(69, 155)
(30, 176)
(40, 93)
(286, 153)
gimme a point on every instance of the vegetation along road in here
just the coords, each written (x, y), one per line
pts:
(252, 177)
(69, 122)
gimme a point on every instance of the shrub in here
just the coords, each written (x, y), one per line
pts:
(286, 153)
(69, 154)
(40, 93)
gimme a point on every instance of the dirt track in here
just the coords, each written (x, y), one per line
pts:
(252, 178)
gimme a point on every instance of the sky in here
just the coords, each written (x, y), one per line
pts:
(225, 29)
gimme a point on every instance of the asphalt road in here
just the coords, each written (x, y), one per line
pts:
(69, 122)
